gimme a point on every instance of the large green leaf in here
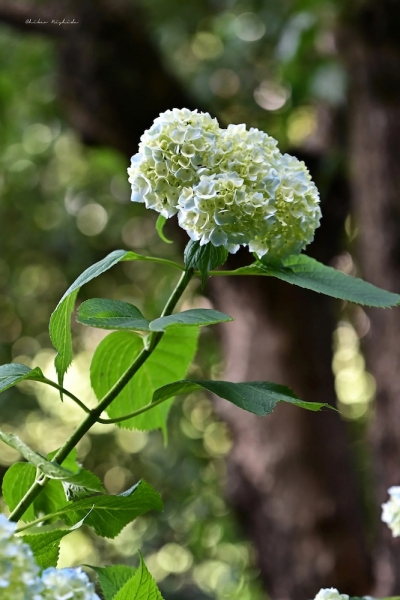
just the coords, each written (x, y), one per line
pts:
(46, 546)
(258, 397)
(308, 273)
(109, 514)
(50, 469)
(60, 322)
(111, 314)
(194, 317)
(169, 361)
(16, 482)
(113, 578)
(204, 258)
(140, 587)
(13, 373)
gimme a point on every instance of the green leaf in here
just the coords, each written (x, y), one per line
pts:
(258, 397)
(13, 373)
(308, 273)
(111, 314)
(204, 258)
(141, 587)
(113, 578)
(160, 226)
(51, 498)
(169, 361)
(50, 469)
(110, 514)
(46, 546)
(60, 321)
(17, 481)
(193, 317)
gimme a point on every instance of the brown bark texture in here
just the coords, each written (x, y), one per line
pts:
(371, 47)
(290, 475)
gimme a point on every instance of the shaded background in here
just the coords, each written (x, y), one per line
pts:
(253, 507)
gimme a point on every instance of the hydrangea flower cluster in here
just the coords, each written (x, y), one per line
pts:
(18, 569)
(20, 578)
(231, 187)
(330, 594)
(66, 584)
(391, 511)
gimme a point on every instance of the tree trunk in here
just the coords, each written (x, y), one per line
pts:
(371, 45)
(290, 474)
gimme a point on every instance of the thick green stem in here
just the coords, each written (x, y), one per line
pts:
(94, 414)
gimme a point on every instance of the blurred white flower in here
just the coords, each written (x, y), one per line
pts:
(391, 511)
(230, 187)
(330, 594)
(67, 584)
(18, 570)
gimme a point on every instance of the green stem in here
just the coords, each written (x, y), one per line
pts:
(94, 414)
(37, 521)
(67, 393)
(135, 413)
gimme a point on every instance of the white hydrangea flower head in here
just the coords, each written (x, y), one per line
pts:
(330, 594)
(67, 584)
(233, 188)
(171, 153)
(391, 511)
(18, 569)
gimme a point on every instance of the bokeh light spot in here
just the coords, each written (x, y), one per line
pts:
(91, 219)
(249, 27)
(271, 95)
(206, 45)
(224, 83)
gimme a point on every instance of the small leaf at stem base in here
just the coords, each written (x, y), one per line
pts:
(204, 258)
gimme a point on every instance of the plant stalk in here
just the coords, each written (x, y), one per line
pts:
(94, 414)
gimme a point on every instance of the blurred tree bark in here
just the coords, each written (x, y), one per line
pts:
(290, 475)
(370, 44)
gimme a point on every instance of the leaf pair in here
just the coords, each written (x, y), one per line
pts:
(106, 514)
(299, 270)
(114, 314)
